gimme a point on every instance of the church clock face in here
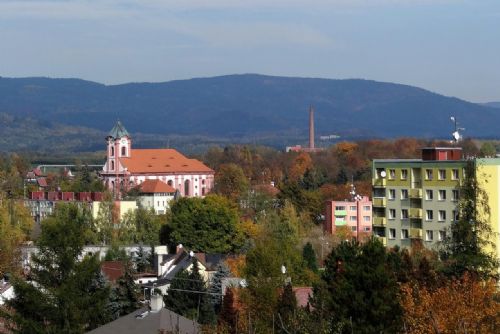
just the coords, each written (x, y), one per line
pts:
(124, 141)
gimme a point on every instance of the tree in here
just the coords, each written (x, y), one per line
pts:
(203, 224)
(104, 223)
(61, 296)
(287, 310)
(231, 182)
(142, 260)
(188, 296)
(465, 305)
(464, 249)
(228, 316)
(309, 256)
(124, 297)
(358, 291)
(215, 288)
(488, 150)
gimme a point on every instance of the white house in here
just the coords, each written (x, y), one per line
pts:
(156, 195)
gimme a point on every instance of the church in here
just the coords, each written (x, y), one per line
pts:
(126, 168)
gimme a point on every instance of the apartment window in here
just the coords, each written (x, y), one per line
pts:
(404, 213)
(454, 195)
(454, 174)
(392, 193)
(404, 234)
(429, 235)
(429, 215)
(442, 215)
(442, 195)
(455, 215)
(353, 228)
(353, 208)
(367, 208)
(392, 213)
(366, 229)
(366, 218)
(429, 195)
(442, 174)
(404, 174)
(392, 174)
(442, 235)
(339, 208)
(392, 233)
(404, 193)
(352, 218)
(428, 174)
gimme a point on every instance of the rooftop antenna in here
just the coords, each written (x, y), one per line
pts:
(456, 135)
(354, 196)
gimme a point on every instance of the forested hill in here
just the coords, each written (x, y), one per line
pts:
(253, 108)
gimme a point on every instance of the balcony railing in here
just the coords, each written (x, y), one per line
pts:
(383, 240)
(379, 221)
(416, 233)
(380, 182)
(379, 202)
(415, 193)
(340, 213)
(415, 213)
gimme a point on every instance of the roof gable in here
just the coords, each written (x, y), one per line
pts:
(155, 186)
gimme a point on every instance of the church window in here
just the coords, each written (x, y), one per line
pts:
(112, 151)
(170, 182)
(112, 165)
(124, 151)
(186, 188)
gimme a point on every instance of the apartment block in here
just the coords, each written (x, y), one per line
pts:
(415, 200)
(357, 215)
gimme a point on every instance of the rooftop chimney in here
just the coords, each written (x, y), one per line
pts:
(311, 127)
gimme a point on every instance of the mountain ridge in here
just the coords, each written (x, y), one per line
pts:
(245, 107)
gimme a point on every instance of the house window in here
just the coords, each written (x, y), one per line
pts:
(392, 213)
(442, 215)
(367, 208)
(428, 174)
(392, 233)
(429, 215)
(442, 235)
(124, 151)
(429, 195)
(454, 174)
(392, 194)
(404, 213)
(392, 174)
(404, 174)
(404, 193)
(442, 174)
(442, 195)
(454, 195)
(404, 234)
(429, 235)
(366, 218)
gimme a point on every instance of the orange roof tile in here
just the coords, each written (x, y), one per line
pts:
(162, 161)
(155, 186)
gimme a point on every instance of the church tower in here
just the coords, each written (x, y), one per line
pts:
(119, 144)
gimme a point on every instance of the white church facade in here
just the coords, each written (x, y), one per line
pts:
(126, 168)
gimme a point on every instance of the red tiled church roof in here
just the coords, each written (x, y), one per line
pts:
(155, 186)
(161, 161)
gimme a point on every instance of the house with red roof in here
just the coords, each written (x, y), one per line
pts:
(156, 195)
(127, 167)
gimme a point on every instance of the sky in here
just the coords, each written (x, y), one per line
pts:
(451, 47)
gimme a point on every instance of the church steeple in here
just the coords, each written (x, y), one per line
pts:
(118, 131)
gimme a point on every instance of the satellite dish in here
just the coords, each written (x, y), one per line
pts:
(383, 173)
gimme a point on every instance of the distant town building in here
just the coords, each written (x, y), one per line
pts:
(156, 195)
(355, 214)
(126, 167)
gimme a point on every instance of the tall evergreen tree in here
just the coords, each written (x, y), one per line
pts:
(309, 256)
(63, 296)
(188, 296)
(228, 316)
(358, 292)
(464, 249)
(215, 288)
(287, 310)
(124, 297)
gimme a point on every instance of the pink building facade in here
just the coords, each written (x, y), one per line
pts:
(357, 215)
(127, 167)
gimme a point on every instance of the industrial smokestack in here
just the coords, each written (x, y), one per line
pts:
(311, 127)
